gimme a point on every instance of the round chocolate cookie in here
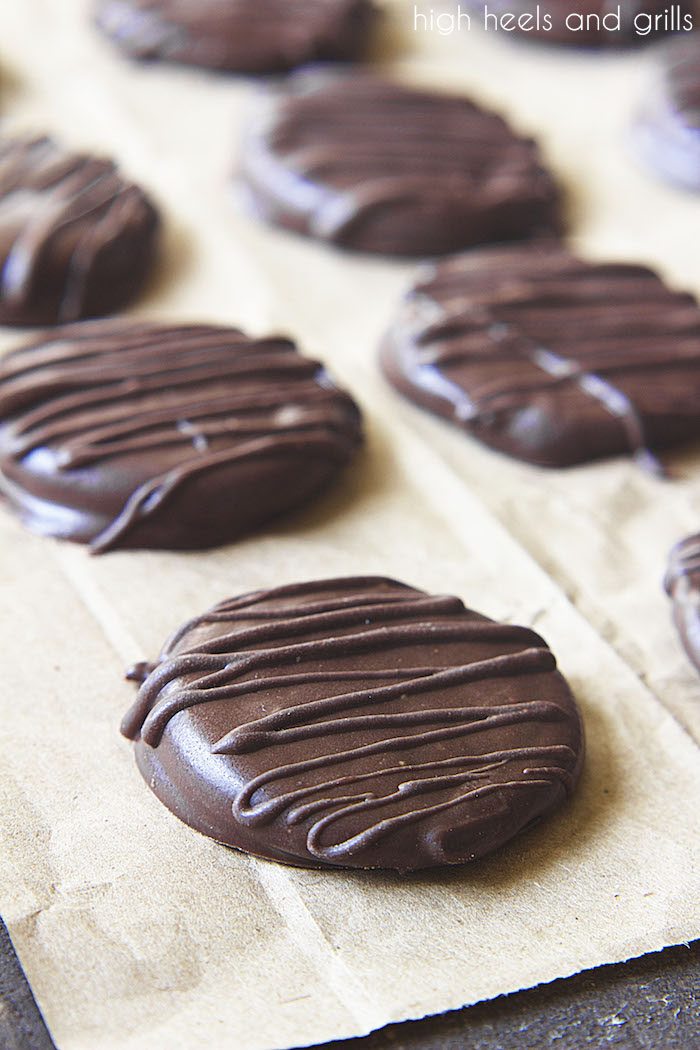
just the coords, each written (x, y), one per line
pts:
(247, 36)
(549, 358)
(356, 723)
(379, 167)
(667, 132)
(133, 435)
(590, 23)
(76, 239)
(683, 586)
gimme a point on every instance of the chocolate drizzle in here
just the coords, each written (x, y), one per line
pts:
(683, 587)
(155, 409)
(550, 358)
(320, 714)
(376, 166)
(253, 36)
(76, 240)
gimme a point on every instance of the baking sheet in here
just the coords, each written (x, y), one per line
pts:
(134, 931)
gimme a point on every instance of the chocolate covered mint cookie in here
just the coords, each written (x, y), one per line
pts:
(356, 723)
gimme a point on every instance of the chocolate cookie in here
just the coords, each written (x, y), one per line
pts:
(683, 586)
(132, 435)
(668, 129)
(356, 723)
(592, 23)
(76, 239)
(247, 36)
(548, 358)
(379, 167)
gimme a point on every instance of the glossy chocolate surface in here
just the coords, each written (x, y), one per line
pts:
(246, 36)
(357, 723)
(76, 239)
(549, 358)
(371, 165)
(121, 434)
(668, 129)
(683, 586)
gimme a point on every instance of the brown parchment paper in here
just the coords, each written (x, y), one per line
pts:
(134, 931)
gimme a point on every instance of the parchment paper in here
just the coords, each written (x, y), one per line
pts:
(134, 931)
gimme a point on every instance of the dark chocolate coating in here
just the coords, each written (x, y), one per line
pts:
(549, 358)
(356, 723)
(667, 132)
(76, 239)
(548, 23)
(133, 435)
(379, 167)
(683, 586)
(245, 36)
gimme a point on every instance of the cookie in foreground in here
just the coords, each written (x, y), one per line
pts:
(244, 36)
(122, 434)
(77, 239)
(358, 723)
(667, 132)
(549, 358)
(683, 587)
(375, 166)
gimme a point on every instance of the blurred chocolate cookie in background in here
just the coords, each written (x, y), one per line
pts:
(667, 131)
(77, 239)
(372, 165)
(683, 587)
(549, 358)
(246, 36)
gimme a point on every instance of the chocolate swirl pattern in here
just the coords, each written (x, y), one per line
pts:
(549, 358)
(76, 239)
(357, 723)
(123, 435)
(246, 36)
(378, 167)
(683, 587)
